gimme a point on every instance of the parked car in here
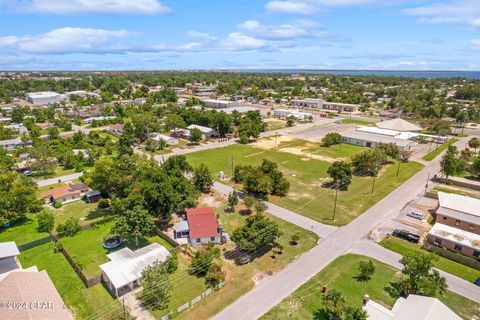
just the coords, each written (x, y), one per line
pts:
(416, 215)
(27, 173)
(477, 282)
(406, 235)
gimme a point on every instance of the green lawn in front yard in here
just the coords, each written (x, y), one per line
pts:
(23, 231)
(406, 248)
(434, 153)
(359, 122)
(340, 275)
(82, 302)
(306, 176)
(57, 172)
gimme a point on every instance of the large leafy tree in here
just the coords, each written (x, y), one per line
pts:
(474, 143)
(341, 173)
(331, 138)
(17, 197)
(369, 161)
(134, 222)
(159, 289)
(451, 163)
(258, 232)
(335, 307)
(419, 277)
(202, 178)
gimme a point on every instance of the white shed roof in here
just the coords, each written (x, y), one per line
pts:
(127, 266)
(8, 249)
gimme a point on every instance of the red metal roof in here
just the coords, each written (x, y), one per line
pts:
(202, 223)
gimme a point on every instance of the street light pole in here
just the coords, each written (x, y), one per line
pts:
(426, 184)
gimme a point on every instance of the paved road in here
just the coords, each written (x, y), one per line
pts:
(273, 290)
(322, 230)
(68, 177)
(376, 251)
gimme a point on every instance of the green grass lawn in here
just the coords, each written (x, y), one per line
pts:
(340, 275)
(434, 153)
(359, 122)
(457, 190)
(276, 124)
(340, 151)
(57, 172)
(87, 250)
(404, 247)
(86, 212)
(306, 176)
(81, 301)
(23, 231)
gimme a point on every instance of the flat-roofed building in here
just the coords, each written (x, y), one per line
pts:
(371, 139)
(325, 105)
(168, 140)
(287, 113)
(45, 97)
(457, 224)
(206, 131)
(219, 104)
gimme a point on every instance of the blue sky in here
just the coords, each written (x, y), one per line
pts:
(239, 34)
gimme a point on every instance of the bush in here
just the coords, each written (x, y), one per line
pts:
(103, 204)
(70, 227)
(332, 138)
(46, 221)
(57, 204)
(171, 264)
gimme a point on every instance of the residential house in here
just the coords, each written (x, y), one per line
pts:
(44, 125)
(206, 132)
(123, 272)
(201, 227)
(62, 193)
(457, 225)
(116, 129)
(12, 144)
(91, 119)
(83, 152)
(16, 128)
(158, 136)
(414, 307)
(8, 257)
(29, 287)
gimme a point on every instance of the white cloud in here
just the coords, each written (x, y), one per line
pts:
(91, 6)
(283, 31)
(455, 12)
(310, 6)
(237, 41)
(8, 41)
(72, 40)
(201, 35)
(290, 7)
(476, 44)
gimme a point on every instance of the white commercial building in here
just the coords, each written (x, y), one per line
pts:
(158, 136)
(124, 271)
(218, 104)
(325, 105)
(287, 113)
(206, 131)
(45, 97)
(414, 307)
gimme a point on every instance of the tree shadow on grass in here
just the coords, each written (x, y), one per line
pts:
(241, 257)
(320, 314)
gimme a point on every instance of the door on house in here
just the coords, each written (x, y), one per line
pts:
(369, 144)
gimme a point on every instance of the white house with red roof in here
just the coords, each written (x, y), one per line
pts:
(201, 227)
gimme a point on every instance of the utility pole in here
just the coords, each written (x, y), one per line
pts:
(335, 204)
(124, 312)
(373, 183)
(232, 166)
(398, 167)
(426, 184)
(276, 134)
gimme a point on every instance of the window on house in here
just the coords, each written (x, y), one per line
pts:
(457, 222)
(458, 247)
(444, 218)
(212, 238)
(438, 241)
(476, 253)
(198, 239)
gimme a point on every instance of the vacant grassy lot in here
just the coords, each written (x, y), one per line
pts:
(23, 231)
(434, 153)
(86, 212)
(306, 176)
(359, 122)
(81, 301)
(276, 124)
(340, 151)
(239, 279)
(340, 275)
(406, 248)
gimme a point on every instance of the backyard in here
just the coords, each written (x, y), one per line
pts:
(23, 231)
(406, 248)
(300, 162)
(340, 275)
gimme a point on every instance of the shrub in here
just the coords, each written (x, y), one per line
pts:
(70, 227)
(103, 204)
(332, 138)
(57, 204)
(46, 221)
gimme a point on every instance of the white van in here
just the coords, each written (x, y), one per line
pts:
(416, 215)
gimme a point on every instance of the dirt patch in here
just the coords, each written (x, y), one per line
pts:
(261, 276)
(269, 143)
(300, 152)
(234, 223)
(208, 200)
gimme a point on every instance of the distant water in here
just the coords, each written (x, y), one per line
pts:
(399, 73)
